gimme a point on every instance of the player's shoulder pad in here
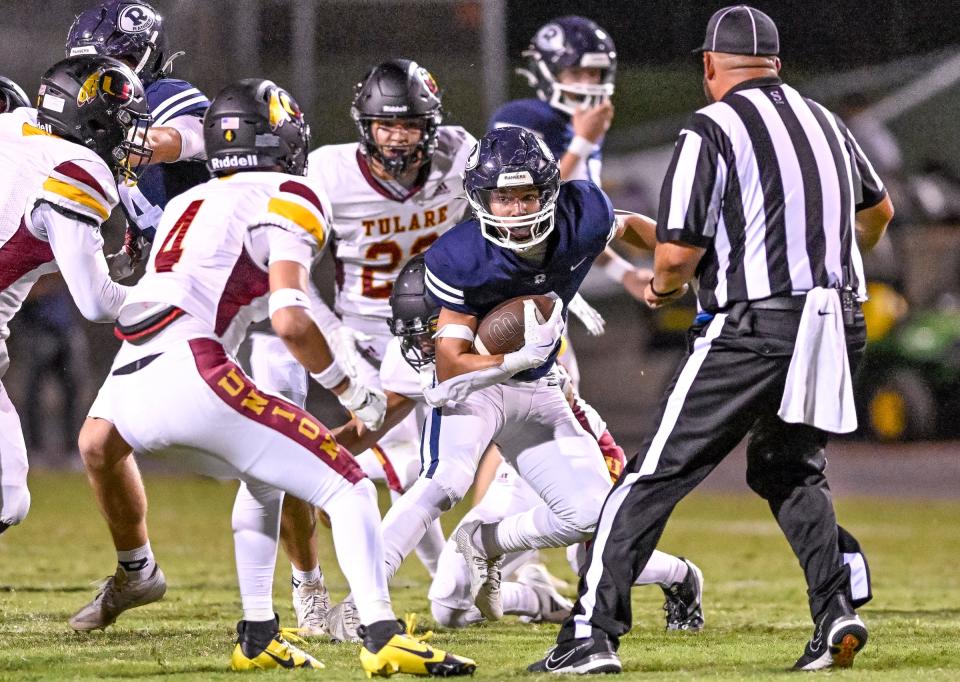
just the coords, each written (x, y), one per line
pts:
(454, 141)
(168, 98)
(532, 114)
(327, 162)
(591, 207)
(300, 202)
(83, 185)
(455, 263)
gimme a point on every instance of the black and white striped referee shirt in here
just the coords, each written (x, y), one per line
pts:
(767, 181)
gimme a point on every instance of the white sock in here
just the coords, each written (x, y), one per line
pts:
(663, 569)
(519, 600)
(312, 575)
(355, 522)
(256, 530)
(137, 563)
(534, 529)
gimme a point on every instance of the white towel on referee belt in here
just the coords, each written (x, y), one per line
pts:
(819, 388)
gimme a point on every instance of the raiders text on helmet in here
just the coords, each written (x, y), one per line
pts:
(129, 30)
(506, 158)
(398, 89)
(568, 42)
(254, 124)
(415, 314)
(97, 102)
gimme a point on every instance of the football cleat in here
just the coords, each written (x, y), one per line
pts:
(684, 604)
(117, 594)
(589, 655)
(311, 602)
(343, 622)
(387, 650)
(845, 636)
(554, 607)
(261, 646)
(484, 572)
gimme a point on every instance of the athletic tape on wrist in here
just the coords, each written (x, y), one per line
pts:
(616, 269)
(581, 146)
(287, 298)
(329, 377)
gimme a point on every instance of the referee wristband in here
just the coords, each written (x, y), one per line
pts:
(663, 294)
(582, 147)
(329, 377)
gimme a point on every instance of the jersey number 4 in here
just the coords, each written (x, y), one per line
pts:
(394, 254)
(172, 248)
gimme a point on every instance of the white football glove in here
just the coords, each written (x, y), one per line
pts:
(343, 342)
(587, 314)
(369, 404)
(539, 339)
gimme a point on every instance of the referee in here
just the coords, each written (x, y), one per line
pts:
(768, 202)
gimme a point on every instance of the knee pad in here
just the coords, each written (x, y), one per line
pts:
(582, 517)
(453, 480)
(14, 505)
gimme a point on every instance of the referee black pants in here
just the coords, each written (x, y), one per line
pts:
(728, 387)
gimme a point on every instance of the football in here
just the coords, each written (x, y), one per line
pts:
(501, 330)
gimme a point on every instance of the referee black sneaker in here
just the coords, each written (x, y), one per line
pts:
(589, 655)
(838, 636)
(684, 604)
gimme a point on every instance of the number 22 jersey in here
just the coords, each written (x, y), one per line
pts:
(376, 230)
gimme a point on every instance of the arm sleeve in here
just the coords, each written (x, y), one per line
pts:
(692, 192)
(190, 127)
(868, 189)
(78, 249)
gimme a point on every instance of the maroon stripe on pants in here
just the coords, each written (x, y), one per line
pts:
(393, 481)
(238, 391)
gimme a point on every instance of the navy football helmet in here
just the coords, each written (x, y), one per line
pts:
(507, 158)
(129, 30)
(569, 42)
(254, 124)
(398, 89)
(414, 314)
(12, 96)
(97, 102)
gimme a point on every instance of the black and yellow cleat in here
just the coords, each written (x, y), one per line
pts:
(387, 650)
(261, 646)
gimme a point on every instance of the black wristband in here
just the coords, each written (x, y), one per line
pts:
(663, 294)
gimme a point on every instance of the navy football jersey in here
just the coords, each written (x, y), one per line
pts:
(468, 273)
(167, 99)
(552, 126)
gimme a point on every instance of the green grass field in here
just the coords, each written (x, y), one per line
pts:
(755, 605)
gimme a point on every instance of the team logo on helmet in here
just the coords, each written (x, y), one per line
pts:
(280, 108)
(89, 89)
(549, 38)
(474, 157)
(111, 83)
(428, 80)
(136, 19)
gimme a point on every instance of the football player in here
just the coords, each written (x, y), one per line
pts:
(572, 65)
(134, 32)
(393, 193)
(12, 96)
(410, 355)
(232, 250)
(57, 186)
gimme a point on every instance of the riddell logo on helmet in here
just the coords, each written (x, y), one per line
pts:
(395, 109)
(234, 161)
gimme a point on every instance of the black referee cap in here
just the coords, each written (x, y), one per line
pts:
(741, 29)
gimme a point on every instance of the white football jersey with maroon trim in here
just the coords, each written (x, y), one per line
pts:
(376, 232)
(38, 167)
(207, 257)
